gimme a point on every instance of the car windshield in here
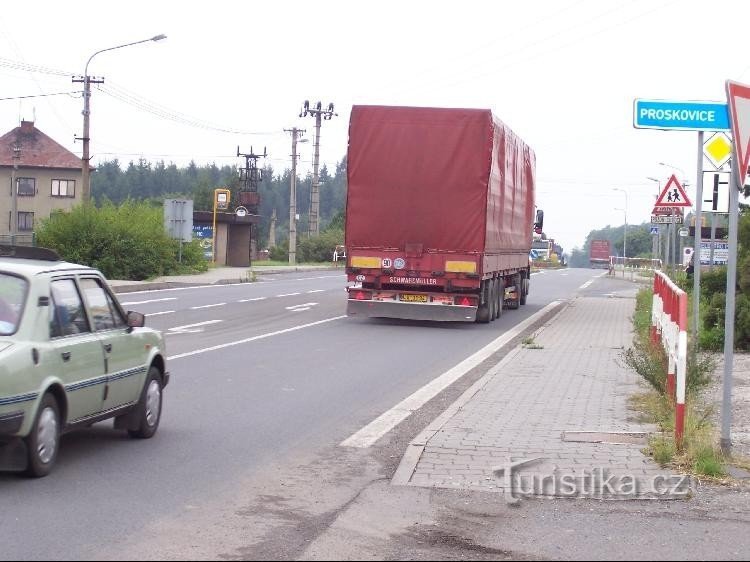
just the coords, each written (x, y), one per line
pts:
(12, 296)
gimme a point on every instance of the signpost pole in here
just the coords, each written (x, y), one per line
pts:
(726, 407)
(711, 242)
(697, 240)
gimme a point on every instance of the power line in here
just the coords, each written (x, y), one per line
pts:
(18, 65)
(153, 108)
(41, 95)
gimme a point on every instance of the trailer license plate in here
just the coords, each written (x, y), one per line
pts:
(413, 298)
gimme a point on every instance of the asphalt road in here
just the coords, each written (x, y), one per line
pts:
(260, 372)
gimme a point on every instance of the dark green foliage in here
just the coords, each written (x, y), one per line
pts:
(156, 182)
(124, 242)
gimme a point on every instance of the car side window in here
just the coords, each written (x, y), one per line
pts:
(102, 308)
(68, 314)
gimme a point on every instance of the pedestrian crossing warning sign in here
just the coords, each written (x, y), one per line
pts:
(673, 195)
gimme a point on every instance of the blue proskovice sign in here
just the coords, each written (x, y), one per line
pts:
(681, 115)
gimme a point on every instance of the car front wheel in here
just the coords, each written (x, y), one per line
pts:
(44, 440)
(149, 406)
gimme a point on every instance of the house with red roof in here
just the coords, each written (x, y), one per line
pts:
(47, 177)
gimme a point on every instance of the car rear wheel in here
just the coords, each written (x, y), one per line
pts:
(44, 440)
(148, 409)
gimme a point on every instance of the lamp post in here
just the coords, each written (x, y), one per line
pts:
(86, 79)
(625, 232)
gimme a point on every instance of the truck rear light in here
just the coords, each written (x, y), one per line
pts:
(442, 299)
(465, 300)
(361, 295)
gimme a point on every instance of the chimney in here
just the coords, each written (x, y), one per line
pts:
(27, 127)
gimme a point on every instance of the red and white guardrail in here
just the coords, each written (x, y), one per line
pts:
(669, 322)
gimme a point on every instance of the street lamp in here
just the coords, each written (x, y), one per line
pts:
(86, 79)
(625, 233)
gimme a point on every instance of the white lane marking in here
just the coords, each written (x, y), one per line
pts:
(207, 306)
(369, 434)
(160, 313)
(538, 272)
(192, 328)
(149, 301)
(254, 338)
(287, 295)
(301, 307)
(316, 291)
(586, 285)
(251, 300)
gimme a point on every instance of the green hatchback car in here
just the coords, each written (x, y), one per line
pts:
(69, 357)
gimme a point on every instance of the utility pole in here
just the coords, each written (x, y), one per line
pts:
(319, 113)
(296, 134)
(14, 194)
(250, 177)
(272, 231)
(85, 158)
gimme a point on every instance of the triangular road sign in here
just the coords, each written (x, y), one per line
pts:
(673, 195)
(738, 98)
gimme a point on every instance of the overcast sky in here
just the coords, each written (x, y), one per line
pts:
(562, 74)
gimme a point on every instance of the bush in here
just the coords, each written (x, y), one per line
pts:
(714, 313)
(319, 248)
(280, 252)
(713, 282)
(124, 242)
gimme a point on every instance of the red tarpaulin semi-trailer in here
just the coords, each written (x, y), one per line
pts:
(439, 214)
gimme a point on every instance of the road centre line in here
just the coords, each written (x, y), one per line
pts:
(251, 300)
(130, 303)
(207, 306)
(150, 314)
(316, 291)
(586, 285)
(254, 338)
(368, 435)
(287, 295)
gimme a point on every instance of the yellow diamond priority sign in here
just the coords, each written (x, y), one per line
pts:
(718, 149)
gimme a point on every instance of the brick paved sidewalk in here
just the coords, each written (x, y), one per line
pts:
(549, 402)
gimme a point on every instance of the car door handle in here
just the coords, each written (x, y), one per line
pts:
(66, 355)
(108, 347)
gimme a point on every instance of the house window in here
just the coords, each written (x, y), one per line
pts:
(26, 187)
(63, 188)
(25, 222)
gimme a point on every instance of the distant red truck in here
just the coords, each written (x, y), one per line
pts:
(439, 214)
(599, 253)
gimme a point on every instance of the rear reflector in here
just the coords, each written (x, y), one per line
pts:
(466, 301)
(461, 266)
(368, 262)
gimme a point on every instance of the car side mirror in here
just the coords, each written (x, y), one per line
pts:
(136, 319)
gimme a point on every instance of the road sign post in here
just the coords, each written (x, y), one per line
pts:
(738, 98)
(697, 240)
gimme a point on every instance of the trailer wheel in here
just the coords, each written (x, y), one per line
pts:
(491, 299)
(525, 282)
(483, 312)
(515, 303)
(499, 296)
